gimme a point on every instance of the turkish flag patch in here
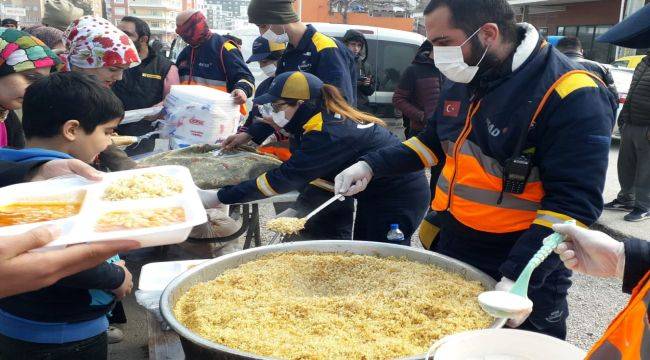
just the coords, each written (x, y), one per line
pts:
(452, 108)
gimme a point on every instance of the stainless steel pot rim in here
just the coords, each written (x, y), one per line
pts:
(331, 246)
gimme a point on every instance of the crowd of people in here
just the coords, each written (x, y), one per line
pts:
(516, 135)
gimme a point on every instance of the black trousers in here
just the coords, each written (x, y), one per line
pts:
(405, 207)
(94, 348)
(634, 166)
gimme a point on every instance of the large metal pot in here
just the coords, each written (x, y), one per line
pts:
(196, 347)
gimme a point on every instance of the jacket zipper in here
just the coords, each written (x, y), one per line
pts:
(473, 108)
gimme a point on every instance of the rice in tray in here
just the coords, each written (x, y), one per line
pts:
(286, 225)
(332, 306)
(143, 186)
(139, 219)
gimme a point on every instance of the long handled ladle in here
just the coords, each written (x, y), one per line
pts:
(502, 304)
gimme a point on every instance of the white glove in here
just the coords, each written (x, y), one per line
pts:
(590, 252)
(353, 180)
(505, 285)
(209, 198)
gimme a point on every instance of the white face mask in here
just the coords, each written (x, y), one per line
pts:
(269, 70)
(280, 119)
(449, 60)
(273, 37)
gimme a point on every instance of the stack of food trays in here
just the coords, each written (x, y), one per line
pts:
(156, 206)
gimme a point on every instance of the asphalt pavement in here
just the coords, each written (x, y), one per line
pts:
(593, 302)
(612, 221)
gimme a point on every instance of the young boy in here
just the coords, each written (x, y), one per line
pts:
(65, 115)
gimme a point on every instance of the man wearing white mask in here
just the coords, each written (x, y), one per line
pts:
(308, 50)
(526, 137)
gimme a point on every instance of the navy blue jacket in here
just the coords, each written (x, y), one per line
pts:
(216, 63)
(322, 146)
(320, 55)
(327, 58)
(569, 144)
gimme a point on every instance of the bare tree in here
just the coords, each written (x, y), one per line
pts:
(342, 7)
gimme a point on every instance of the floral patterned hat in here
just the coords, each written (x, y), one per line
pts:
(92, 42)
(20, 51)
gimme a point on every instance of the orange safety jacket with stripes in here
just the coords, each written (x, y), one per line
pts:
(567, 118)
(217, 63)
(628, 335)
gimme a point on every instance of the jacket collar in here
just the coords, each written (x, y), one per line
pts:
(305, 41)
(150, 56)
(305, 112)
(528, 47)
(573, 55)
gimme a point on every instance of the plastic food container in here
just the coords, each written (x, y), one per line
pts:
(156, 276)
(82, 227)
(504, 344)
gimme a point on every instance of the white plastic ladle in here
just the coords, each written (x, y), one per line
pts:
(504, 304)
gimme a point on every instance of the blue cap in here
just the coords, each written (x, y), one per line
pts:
(394, 226)
(263, 48)
(296, 85)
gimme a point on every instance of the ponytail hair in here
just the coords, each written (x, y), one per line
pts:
(334, 102)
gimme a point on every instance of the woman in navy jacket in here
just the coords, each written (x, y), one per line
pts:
(327, 135)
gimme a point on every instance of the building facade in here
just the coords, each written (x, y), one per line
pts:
(586, 20)
(30, 12)
(226, 14)
(116, 10)
(385, 13)
(26, 12)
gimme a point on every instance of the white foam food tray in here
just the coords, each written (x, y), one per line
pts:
(81, 227)
(156, 276)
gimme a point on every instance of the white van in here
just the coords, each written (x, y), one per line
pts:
(390, 52)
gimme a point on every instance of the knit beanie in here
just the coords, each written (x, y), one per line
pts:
(49, 35)
(60, 13)
(271, 12)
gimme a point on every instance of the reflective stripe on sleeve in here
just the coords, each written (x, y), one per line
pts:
(247, 82)
(264, 186)
(425, 154)
(549, 218)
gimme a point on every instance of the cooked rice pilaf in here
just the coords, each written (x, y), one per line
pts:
(286, 225)
(143, 186)
(332, 306)
(139, 219)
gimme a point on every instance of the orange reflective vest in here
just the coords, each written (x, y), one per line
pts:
(628, 336)
(471, 182)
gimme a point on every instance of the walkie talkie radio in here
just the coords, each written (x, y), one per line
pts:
(516, 174)
(517, 169)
